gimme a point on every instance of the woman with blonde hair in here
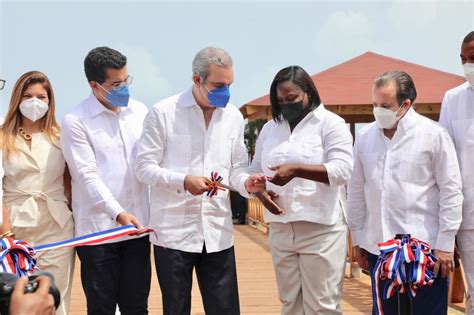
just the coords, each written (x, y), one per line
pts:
(36, 184)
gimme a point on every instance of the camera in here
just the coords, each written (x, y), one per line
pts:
(7, 282)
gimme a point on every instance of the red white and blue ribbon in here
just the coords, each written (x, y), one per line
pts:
(215, 184)
(17, 257)
(406, 264)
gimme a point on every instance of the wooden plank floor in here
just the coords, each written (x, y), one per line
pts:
(257, 288)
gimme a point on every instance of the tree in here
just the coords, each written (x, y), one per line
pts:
(252, 129)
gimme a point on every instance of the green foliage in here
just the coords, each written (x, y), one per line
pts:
(252, 129)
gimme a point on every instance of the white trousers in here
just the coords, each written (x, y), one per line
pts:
(466, 250)
(309, 260)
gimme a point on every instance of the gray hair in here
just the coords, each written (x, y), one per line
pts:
(405, 87)
(210, 56)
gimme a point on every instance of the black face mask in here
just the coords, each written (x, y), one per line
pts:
(292, 112)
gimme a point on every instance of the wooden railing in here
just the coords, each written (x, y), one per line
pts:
(255, 214)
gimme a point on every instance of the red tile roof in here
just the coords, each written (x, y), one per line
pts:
(350, 83)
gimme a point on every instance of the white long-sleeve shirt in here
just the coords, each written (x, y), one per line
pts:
(176, 143)
(99, 147)
(319, 138)
(410, 184)
(457, 116)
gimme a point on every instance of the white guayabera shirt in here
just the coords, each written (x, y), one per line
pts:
(457, 115)
(410, 184)
(176, 143)
(319, 138)
(99, 147)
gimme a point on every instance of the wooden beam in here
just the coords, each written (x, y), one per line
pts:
(351, 113)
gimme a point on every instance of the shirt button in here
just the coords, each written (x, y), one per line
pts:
(178, 191)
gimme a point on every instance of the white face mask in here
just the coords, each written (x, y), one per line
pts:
(386, 118)
(33, 108)
(469, 73)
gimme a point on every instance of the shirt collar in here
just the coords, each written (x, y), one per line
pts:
(408, 120)
(319, 111)
(187, 98)
(96, 107)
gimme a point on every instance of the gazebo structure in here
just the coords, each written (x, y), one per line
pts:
(346, 89)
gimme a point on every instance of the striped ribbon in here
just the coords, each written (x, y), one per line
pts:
(17, 257)
(406, 264)
(214, 186)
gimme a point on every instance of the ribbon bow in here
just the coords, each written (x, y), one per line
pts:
(406, 264)
(215, 184)
(17, 257)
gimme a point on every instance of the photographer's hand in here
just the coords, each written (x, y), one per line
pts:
(37, 303)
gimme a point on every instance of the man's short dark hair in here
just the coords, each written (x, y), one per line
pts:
(469, 37)
(99, 59)
(405, 87)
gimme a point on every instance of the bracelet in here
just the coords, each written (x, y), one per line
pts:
(8, 233)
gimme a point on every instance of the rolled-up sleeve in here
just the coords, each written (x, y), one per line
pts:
(337, 143)
(448, 179)
(82, 164)
(149, 156)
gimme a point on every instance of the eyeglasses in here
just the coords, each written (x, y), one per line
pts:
(2, 84)
(120, 84)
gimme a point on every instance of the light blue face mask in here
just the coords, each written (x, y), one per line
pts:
(118, 97)
(218, 97)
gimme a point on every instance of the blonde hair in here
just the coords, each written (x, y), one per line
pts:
(13, 120)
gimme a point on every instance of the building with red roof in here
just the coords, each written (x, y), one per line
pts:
(346, 89)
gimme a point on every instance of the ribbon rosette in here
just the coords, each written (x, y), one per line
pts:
(406, 264)
(215, 184)
(17, 257)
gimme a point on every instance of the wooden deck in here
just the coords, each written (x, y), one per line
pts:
(258, 293)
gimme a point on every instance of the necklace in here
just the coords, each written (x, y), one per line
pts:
(26, 135)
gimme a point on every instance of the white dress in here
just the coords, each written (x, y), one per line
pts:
(34, 193)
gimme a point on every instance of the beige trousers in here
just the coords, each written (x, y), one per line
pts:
(58, 262)
(465, 240)
(309, 260)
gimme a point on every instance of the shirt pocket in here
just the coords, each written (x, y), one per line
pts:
(224, 172)
(101, 140)
(306, 195)
(226, 146)
(370, 162)
(463, 131)
(312, 151)
(415, 168)
(178, 153)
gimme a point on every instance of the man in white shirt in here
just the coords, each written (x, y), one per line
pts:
(457, 115)
(406, 180)
(98, 140)
(185, 138)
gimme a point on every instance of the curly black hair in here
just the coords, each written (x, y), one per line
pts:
(99, 59)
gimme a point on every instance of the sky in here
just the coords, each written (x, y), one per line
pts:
(161, 38)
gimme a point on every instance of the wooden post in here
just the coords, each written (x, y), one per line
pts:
(353, 130)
